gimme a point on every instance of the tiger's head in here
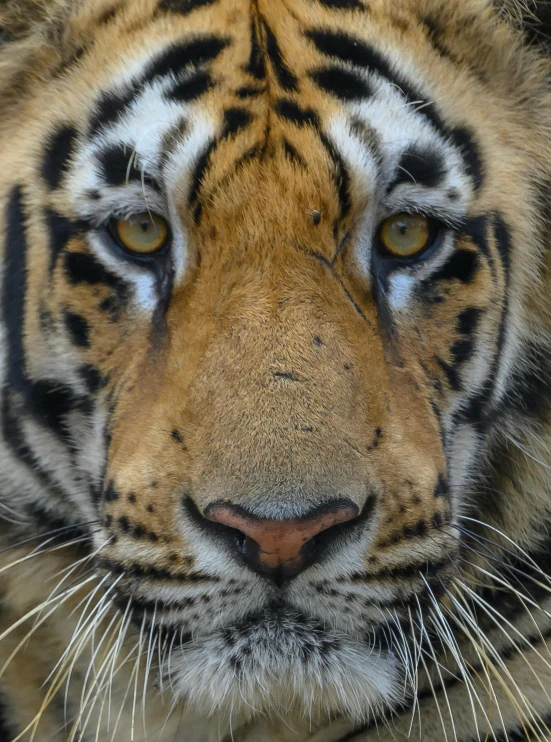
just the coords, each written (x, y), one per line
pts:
(275, 296)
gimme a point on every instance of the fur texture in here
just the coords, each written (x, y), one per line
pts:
(274, 358)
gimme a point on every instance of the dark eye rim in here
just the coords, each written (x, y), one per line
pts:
(437, 231)
(109, 233)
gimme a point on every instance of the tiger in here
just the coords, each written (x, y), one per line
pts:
(275, 370)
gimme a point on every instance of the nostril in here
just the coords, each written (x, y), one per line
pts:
(281, 548)
(240, 539)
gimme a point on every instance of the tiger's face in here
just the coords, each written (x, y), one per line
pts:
(271, 325)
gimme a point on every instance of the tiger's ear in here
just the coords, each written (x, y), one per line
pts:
(533, 16)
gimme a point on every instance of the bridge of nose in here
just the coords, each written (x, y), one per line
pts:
(280, 541)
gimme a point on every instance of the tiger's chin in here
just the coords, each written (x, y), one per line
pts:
(282, 667)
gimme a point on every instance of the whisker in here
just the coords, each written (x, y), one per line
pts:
(149, 658)
(86, 694)
(416, 659)
(440, 677)
(471, 620)
(136, 677)
(508, 539)
(123, 703)
(54, 532)
(490, 611)
(67, 593)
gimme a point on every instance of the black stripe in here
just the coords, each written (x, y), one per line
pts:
(235, 119)
(61, 230)
(291, 111)
(478, 411)
(92, 378)
(529, 583)
(50, 402)
(462, 351)
(249, 91)
(198, 175)
(343, 4)
(112, 306)
(59, 149)
(177, 57)
(419, 167)
(292, 153)
(256, 65)
(118, 167)
(352, 50)
(82, 268)
(442, 488)
(468, 320)
(436, 33)
(158, 606)
(529, 389)
(462, 266)
(476, 229)
(341, 83)
(452, 374)
(13, 312)
(349, 49)
(147, 571)
(183, 7)
(427, 569)
(192, 88)
(109, 108)
(341, 175)
(464, 141)
(5, 36)
(14, 437)
(284, 76)
(78, 328)
(47, 522)
(14, 290)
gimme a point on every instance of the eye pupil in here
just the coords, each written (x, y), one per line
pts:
(405, 235)
(143, 234)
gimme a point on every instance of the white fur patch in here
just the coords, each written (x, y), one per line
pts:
(279, 664)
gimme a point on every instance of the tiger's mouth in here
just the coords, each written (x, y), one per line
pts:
(278, 657)
(231, 642)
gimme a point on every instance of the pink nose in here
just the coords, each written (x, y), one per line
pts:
(279, 544)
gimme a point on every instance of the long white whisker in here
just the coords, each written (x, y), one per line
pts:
(467, 615)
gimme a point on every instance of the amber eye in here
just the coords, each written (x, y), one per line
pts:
(406, 235)
(143, 234)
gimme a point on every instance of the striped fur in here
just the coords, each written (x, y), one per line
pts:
(274, 358)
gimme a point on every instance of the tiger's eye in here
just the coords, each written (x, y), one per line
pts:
(143, 234)
(405, 235)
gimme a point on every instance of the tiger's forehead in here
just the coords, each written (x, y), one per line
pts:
(211, 87)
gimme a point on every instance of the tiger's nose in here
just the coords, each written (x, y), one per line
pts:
(281, 549)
